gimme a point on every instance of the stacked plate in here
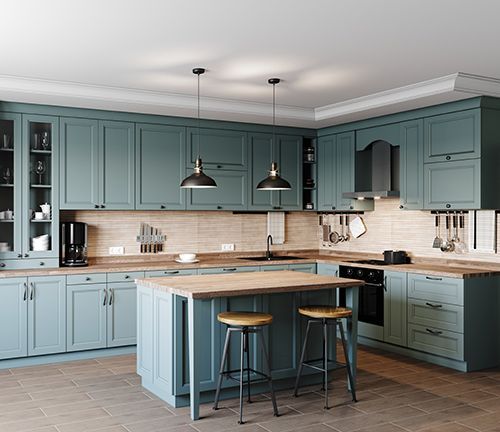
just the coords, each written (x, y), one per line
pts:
(40, 243)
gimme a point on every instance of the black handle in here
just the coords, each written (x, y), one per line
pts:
(103, 206)
(461, 219)
(437, 221)
(25, 296)
(32, 285)
(2, 265)
(127, 277)
(19, 255)
(219, 166)
(219, 207)
(229, 269)
(105, 297)
(87, 279)
(447, 221)
(433, 305)
(448, 157)
(448, 205)
(401, 206)
(26, 255)
(433, 278)
(162, 206)
(434, 332)
(276, 207)
(171, 272)
(42, 263)
(96, 205)
(110, 296)
(454, 221)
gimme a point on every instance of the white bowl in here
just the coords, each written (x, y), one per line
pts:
(187, 256)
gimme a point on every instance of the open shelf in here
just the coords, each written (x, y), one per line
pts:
(6, 185)
(41, 220)
(6, 220)
(41, 186)
(42, 152)
(7, 149)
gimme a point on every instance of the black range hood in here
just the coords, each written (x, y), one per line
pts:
(377, 172)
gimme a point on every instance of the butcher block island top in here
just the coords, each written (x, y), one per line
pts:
(239, 284)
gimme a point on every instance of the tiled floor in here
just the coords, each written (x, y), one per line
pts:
(395, 394)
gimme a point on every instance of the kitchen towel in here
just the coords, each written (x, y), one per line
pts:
(276, 226)
(482, 231)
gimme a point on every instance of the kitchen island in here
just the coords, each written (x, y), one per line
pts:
(179, 340)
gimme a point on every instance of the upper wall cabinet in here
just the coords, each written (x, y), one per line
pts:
(336, 173)
(287, 153)
(411, 182)
(97, 164)
(454, 136)
(160, 167)
(218, 149)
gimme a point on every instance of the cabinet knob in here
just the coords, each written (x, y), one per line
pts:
(162, 207)
(351, 207)
(127, 277)
(219, 166)
(276, 207)
(2, 265)
(219, 207)
(87, 279)
(448, 205)
(96, 205)
(448, 157)
(401, 206)
(333, 207)
(42, 263)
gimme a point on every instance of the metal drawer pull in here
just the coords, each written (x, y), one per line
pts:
(87, 279)
(110, 296)
(32, 285)
(171, 272)
(229, 269)
(433, 278)
(105, 297)
(434, 305)
(25, 296)
(127, 277)
(434, 332)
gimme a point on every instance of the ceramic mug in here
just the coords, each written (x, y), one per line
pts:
(39, 216)
(8, 214)
(2, 215)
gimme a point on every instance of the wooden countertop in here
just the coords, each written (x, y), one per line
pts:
(238, 284)
(461, 270)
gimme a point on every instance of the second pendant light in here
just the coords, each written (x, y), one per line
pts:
(273, 181)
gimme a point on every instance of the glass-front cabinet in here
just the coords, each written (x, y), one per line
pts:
(29, 216)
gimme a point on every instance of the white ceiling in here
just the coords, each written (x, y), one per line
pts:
(335, 57)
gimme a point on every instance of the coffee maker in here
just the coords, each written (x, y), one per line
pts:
(74, 244)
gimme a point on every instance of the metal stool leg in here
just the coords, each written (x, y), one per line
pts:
(247, 349)
(348, 363)
(325, 360)
(242, 359)
(301, 362)
(269, 378)
(221, 370)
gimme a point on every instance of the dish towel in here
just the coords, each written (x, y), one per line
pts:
(276, 226)
(482, 231)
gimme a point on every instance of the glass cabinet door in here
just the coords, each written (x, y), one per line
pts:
(10, 185)
(40, 210)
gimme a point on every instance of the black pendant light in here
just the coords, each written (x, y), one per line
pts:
(273, 181)
(198, 180)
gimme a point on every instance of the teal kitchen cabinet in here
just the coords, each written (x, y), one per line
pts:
(46, 315)
(454, 185)
(287, 152)
(453, 136)
(121, 318)
(395, 308)
(13, 318)
(218, 148)
(230, 193)
(336, 173)
(411, 165)
(97, 164)
(304, 268)
(86, 316)
(160, 167)
(221, 270)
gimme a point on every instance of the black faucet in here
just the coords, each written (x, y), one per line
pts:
(269, 242)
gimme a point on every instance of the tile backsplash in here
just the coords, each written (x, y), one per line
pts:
(388, 227)
(199, 232)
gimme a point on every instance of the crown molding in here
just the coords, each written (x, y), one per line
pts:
(458, 86)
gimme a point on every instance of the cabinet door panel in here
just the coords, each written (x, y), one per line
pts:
(290, 168)
(117, 171)
(395, 309)
(327, 170)
(453, 136)
(411, 165)
(230, 194)
(122, 313)
(219, 149)
(260, 155)
(345, 169)
(160, 167)
(13, 318)
(453, 185)
(79, 176)
(47, 315)
(86, 317)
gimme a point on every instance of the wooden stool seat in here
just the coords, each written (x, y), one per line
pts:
(325, 312)
(245, 319)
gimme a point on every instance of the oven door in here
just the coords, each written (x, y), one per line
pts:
(371, 304)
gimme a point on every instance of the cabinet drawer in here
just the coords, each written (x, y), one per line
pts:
(166, 273)
(227, 270)
(15, 264)
(89, 278)
(435, 288)
(452, 136)
(436, 315)
(436, 341)
(125, 276)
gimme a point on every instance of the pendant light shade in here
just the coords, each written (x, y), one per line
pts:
(273, 181)
(198, 180)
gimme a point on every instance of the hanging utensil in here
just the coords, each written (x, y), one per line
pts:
(347, 236)
(326, 229)
(334, 235)
(437, 240)
(461, 247)
(447, 245)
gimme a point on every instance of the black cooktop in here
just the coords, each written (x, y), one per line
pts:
(371, 262)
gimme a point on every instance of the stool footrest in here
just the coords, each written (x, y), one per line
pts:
(335, 365)
(227, 374)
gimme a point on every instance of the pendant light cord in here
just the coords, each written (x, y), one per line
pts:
(199, 132)
(274, 114)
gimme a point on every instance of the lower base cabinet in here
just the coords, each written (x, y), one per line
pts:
(13, 318)
(122, 312)
(395, 310)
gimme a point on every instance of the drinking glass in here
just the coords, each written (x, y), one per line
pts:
(44, 140)
(7, 175)
(40, 168)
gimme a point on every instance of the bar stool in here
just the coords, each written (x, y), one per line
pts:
(245, 323)
(325, 315)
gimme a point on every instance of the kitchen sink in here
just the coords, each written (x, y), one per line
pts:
(272, 258)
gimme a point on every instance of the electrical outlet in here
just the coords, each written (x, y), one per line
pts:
(116, 250)
(227, 247)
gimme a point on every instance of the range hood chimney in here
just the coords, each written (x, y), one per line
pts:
(377, 172)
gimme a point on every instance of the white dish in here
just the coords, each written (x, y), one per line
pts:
(186, 262)
(187, 257)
